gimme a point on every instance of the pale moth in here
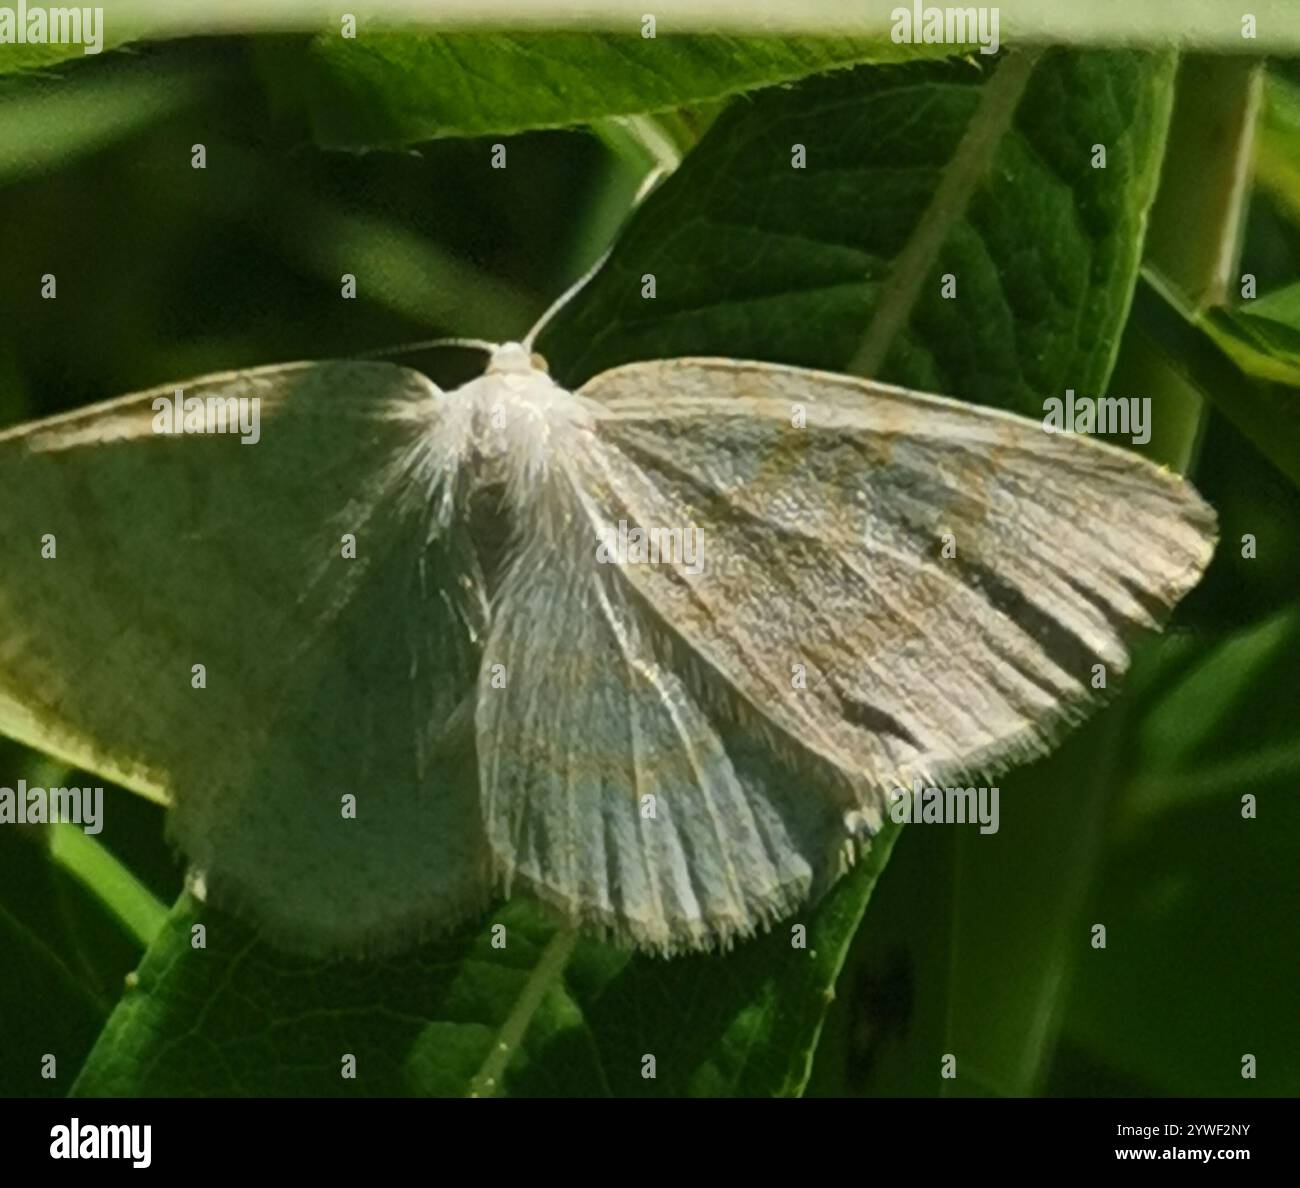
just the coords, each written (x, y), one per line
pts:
(385, 668)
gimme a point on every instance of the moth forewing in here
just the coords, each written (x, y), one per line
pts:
(945, 578)
(326, 616)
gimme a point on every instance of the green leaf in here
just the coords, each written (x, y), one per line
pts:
(912, 172)
(1197, 896)
(1262, 337)
(743, 1025)
(974, 935)
(95, 38)
(575, 1017)
(399, 88)
(1268, 414)
(1212, 721)
(1277, 162)
(1207, 24)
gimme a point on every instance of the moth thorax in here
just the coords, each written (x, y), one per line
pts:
(520, 421)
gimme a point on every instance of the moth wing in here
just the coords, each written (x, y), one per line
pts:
(325, 676)
(826, 651)
(948, 582)
(617, 784)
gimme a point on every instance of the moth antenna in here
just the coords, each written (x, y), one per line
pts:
(477, 344)
(563, 299)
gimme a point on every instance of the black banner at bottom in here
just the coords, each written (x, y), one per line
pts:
(338, 1136)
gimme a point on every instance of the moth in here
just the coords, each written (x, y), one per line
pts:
(385, 666)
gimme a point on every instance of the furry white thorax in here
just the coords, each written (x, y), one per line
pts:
(507, 426)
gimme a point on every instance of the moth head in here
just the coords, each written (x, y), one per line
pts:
(514, 358)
